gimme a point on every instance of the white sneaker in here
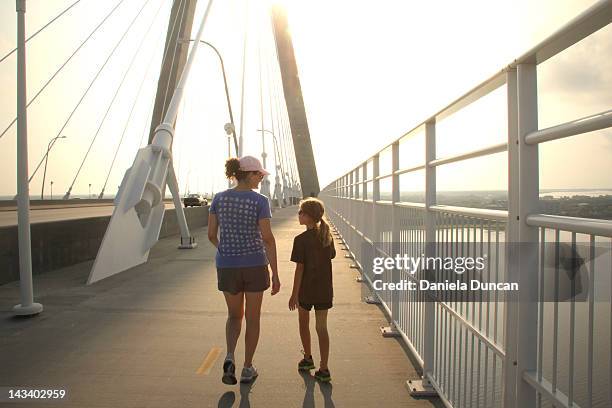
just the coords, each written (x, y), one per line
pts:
(248, 374)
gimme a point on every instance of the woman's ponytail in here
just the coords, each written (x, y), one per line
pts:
(232, 166)
(232, 169)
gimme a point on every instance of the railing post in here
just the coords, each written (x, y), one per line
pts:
(351, 214)
(528, 196)
(392, 330)
(364, 177)
(375, 199)
(375, 192)
(424, 387)
(511, 306)
(430, 239)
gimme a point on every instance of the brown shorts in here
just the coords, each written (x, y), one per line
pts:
(317, 306)
(247, 279)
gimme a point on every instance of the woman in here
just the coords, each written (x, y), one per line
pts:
(245, 247)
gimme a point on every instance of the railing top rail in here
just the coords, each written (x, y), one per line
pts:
(573, 224)
(591, 20)
(493, 215)
(406, 204)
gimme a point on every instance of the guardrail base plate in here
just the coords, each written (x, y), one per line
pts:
(371, 300)
(389, 331)
(421, 388)
(188, 243)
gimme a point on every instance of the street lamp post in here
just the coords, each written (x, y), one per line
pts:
(89, 196)
(229, 154)
(49, 146)
(52, 189)
(227, 97)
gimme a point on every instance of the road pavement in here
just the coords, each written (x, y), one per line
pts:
(154, 336)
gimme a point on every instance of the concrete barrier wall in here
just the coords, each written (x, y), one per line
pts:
(11, 205)
(63, 243)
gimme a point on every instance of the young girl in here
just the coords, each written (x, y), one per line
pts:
(312, 252)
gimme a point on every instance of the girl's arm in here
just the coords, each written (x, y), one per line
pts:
(213, 227)
(297, 282)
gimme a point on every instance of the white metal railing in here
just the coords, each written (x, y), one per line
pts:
(504, 350)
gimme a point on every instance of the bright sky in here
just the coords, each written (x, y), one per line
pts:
(369, 72)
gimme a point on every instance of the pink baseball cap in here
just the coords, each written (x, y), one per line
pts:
(250, 163)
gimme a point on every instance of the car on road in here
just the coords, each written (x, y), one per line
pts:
(195, 200)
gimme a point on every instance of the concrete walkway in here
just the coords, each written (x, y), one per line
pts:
(154, 336)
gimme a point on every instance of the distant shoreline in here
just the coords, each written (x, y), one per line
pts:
(556, 193)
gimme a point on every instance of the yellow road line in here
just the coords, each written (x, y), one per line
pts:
(209, 361)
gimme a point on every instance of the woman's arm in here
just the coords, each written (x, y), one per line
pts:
(297, 282)
(213, 227)
(270, 244)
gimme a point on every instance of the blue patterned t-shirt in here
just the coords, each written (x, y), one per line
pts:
(240, 241)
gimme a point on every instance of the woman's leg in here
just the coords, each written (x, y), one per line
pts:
(304, 318)
(321, 324)
(252, 315)
(235, 311)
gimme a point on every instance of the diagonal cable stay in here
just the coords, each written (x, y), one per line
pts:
(62, 67)
(149, 64)
(163, 59)
(127, 122)
(176, 44)
(166, 49)
(67, 195)
(41, 29)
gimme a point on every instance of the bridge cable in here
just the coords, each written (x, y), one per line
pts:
(127, 122)
(41, 29)
(274, 92)
(179, 153)
(116, 92)
(261, 105)
(282, 149)
(275, 134)
(280, 128)
(287, 133)
(284, 117)
(280, 91)
(150, 116)
(82, 97)
(62, 67)
(147, 127)
(176, 44)
(244, 55)
(274, 110)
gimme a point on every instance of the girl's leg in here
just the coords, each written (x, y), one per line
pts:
(235, 311)
(304, 319)
(252, 315)
(321, 324)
